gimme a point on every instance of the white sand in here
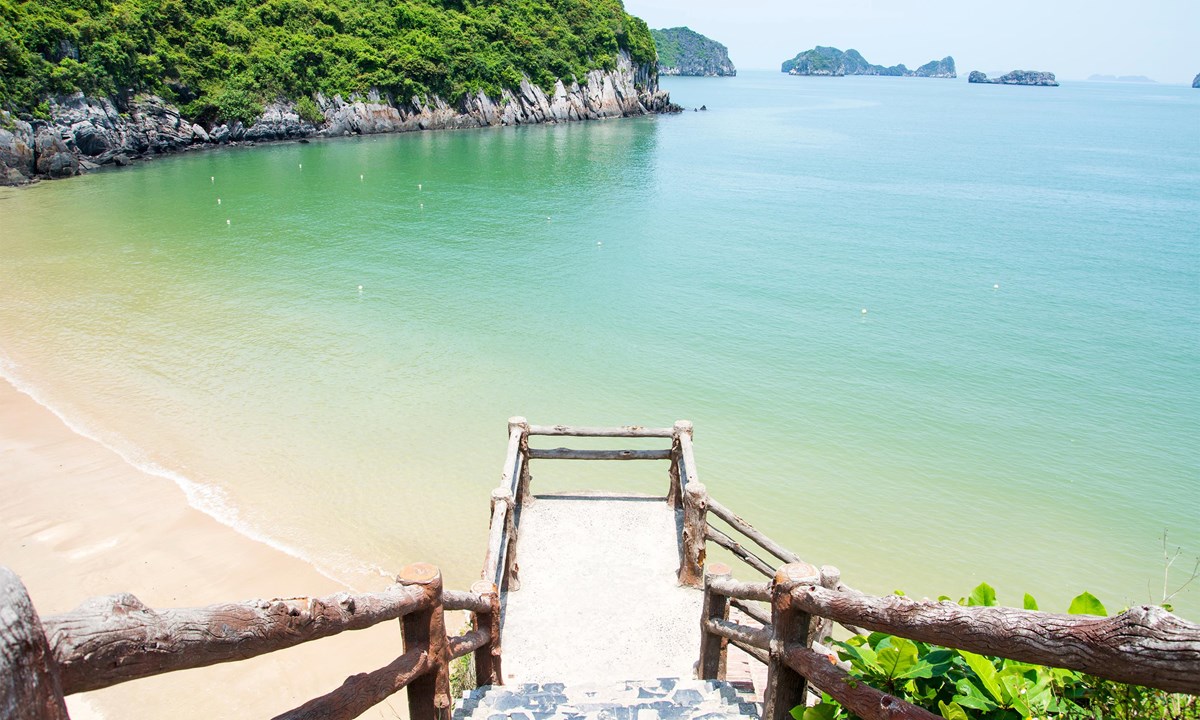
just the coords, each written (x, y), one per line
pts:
(77, 521)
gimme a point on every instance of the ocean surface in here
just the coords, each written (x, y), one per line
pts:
(930, 332)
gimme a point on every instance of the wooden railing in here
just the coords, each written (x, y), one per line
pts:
(1144, 645)
(115, 639)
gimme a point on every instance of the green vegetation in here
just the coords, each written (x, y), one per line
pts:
(960, 685)
(225, 59)
(684, 51)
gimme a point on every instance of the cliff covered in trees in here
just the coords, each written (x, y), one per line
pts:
(683, 51)
(833, 62)
(96, 81)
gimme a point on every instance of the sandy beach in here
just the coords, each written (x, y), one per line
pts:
(77, 521)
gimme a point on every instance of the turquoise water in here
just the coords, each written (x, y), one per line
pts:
(1019, 403)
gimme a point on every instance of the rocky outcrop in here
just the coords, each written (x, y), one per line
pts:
(831, 62)
(86, 132)
(683, 51)
(1016, 77)
(1196, 82)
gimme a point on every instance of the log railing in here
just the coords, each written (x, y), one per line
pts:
(1144, 645)
(115, 639)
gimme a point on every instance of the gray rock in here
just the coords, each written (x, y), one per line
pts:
(16, 150)
(53, 158)
(1196, 82)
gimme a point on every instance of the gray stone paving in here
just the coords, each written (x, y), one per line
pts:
(659, 699)
(599, 601)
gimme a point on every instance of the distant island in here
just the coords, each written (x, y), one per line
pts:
(1016, 77)
(1120, 78)
(683, 51)
(1196, 82)
(829, 61)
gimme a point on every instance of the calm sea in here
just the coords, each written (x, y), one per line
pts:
(930, 332)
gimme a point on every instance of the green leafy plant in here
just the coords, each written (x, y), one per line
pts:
(308, 111)
(961, 685)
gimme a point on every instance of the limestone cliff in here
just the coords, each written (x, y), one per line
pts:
(84, 132)
(1016, 77)
(683, 51)
(829, 61)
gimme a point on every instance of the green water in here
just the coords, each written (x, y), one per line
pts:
(1019, 404)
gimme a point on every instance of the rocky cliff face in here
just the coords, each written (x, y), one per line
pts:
(830, 61)
(84, 133)
(683, 51)
(1016, 77)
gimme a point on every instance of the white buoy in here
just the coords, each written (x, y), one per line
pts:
(418, 186)
(218, 201)
(360, 288)
(227, 222)
(212, 179)
(996, 286)
(864, 311)
(360, 178)
(599, 242)
(301, 166)
(422, 206)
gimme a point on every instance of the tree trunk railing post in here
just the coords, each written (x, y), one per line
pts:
(428, 695)
(487, 658)
(29, 684)
(713, 648)
(520, 425)
(695, 524)
(786, 688)
(674, 491)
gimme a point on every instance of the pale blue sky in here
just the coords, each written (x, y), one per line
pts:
(1072, 38)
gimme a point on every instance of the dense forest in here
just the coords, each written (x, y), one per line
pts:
(225, 58)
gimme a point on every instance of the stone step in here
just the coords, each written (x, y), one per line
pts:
(661, 699)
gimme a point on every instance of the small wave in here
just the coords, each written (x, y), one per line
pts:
(208, 499)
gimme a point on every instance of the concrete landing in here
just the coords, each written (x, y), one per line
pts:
(599, 601)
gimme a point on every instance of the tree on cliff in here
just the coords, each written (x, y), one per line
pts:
(224, 59)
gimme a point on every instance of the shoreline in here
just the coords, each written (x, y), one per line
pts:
(79, 521)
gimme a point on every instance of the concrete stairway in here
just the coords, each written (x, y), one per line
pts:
(661, 699)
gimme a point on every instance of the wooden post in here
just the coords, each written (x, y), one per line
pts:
(823, 627)
(487, 658)
(518, 424)
(428, 695)
(674, 496)
(716, 607)
(695, 522)
(786, 687)
(29, 684)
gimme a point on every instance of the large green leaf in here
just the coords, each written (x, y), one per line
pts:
(953, 711)
(970, 696)
(822, 711)
(1030, 603)
(1086, 604)
(984, 595)
(896, 657)
(986, 672)
(861, 658)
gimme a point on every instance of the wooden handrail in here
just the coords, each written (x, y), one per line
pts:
(745, 528)
(629, 431)
(563, 453)
(360, 692)
(759, 637)
(742, 590)
(110, 640)
(1144, 645)
(738, 551)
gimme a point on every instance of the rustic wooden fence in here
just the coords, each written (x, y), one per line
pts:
(115, 639)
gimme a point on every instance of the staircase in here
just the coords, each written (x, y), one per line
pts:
(661, 699)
